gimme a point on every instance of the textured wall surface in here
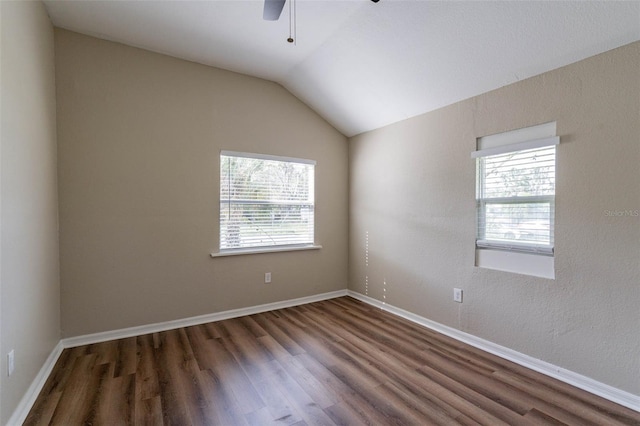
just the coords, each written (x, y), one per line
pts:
(29, 282)
(139, 138)
(412, 215)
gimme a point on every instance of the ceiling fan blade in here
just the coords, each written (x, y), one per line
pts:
(272, 9)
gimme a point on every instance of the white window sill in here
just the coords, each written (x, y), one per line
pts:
(259, 250)
(516, 262)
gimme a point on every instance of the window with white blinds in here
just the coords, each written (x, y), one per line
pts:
(265, 201)
(515, 196)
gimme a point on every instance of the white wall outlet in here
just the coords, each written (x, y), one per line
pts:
(267, 277)
(11, 362)
(457, 295)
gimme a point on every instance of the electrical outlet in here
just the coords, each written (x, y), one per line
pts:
(267, 277)
(457, 295)
(11, 362)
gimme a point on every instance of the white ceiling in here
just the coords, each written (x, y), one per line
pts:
(363, 65)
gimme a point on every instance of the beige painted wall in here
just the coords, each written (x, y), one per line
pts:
(139, 139)
(413, 193)
(30, 289)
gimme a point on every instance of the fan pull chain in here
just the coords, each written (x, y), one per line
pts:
(292, 23)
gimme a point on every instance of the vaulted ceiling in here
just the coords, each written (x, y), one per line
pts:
(363, 65)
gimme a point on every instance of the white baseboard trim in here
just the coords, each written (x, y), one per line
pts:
(610, 393)
(618, 396)
(201, 319)
(24, 406)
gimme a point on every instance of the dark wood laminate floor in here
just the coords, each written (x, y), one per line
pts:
(336, 362)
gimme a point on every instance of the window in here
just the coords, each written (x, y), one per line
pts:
(265, 201)
(515, 192)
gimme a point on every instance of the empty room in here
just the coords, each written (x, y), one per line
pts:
(301, 212)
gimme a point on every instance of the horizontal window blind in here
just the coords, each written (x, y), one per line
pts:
(265, 201)
(515, 200)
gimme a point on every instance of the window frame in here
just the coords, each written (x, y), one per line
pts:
(230, 251)
(482, 242)
(509, 256)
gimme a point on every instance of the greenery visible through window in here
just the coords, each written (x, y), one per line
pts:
(265, 201)
(515, 200)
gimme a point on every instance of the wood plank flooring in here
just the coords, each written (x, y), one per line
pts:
(336, 362)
